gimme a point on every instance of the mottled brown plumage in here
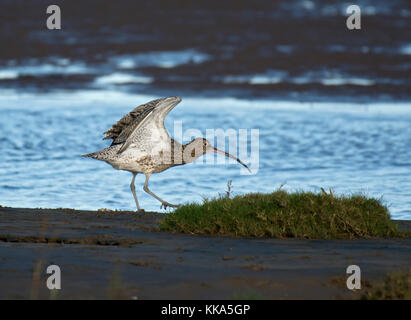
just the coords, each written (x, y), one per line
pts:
(122, 129)
(141, 144)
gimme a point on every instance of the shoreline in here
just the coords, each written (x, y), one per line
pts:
(119, 255)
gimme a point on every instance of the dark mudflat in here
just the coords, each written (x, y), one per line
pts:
(120, 255)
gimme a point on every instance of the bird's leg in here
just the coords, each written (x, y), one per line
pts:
(164, 204)
(133, 190)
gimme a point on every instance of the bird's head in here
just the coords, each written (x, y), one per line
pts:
(200, 146)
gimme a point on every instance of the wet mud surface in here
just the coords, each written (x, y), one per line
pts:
(122, 255)
(265, 49)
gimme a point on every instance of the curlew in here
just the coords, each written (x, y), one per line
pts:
(141, 144)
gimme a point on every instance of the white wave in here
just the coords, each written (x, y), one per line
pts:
(122, 78)
(352, 81)
(162, 59)
(35, 68)
(8, 74)
(406, 49)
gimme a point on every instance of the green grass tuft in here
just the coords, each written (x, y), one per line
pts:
(285, 215)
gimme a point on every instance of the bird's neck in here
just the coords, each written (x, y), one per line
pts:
(184, 153)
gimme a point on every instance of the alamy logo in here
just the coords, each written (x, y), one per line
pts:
(354, 280)
(354, 20)
(54, 281)
(241, 143)
(54, 21)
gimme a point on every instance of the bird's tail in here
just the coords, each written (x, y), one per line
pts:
(90, 155)
(104, 154)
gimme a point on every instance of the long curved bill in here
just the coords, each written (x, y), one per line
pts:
(232, 157)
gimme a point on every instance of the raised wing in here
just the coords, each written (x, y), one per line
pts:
(126, 129)
(121, 130)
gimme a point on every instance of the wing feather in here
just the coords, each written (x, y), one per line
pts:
(126, 129)
(122, 129)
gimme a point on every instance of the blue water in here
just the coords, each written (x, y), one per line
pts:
(332, 105)
(351, 148)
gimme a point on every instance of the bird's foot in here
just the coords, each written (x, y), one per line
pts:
(165, 204)
(141, 211)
